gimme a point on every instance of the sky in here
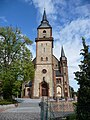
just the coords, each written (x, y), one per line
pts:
(70, 20)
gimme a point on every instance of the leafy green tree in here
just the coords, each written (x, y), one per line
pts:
(1, 91)
(15, 59)
(17, 86)
(83, 78)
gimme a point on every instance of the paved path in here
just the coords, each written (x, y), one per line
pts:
(27, 110)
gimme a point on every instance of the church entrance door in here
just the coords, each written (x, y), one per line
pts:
(44, 87)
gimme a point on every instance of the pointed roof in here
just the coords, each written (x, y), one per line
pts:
(44, 22)
(62, 52)
(44, 18)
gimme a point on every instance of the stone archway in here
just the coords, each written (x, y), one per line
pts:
(44, 89)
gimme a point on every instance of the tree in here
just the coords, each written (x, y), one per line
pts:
(83, 78)
(15, 59)
(71, 92)
(17, 88)
(1, 91)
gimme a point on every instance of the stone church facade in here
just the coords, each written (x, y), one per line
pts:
(51, 74)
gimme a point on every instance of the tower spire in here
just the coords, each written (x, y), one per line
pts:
(44, 18)
(62, 52)
(44, 22)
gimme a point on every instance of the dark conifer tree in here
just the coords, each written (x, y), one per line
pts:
(83, 78)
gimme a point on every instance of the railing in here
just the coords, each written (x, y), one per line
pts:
(46, 111)
(53, 110)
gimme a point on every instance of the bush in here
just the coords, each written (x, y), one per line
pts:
(7, 102)
(71, 117)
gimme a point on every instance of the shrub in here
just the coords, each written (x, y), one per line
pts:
(71, 117)
(7, 102)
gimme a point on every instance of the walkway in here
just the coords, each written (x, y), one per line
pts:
(27, 110)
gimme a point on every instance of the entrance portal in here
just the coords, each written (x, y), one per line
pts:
(44, 87)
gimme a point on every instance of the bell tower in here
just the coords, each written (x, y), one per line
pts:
(43, 81)
(64, 71)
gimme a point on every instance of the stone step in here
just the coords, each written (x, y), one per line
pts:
(28, 105)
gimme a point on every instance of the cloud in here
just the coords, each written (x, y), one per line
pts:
(70, 21)
(70, 36)
(28, 1)
(32, 48)
(3, 19)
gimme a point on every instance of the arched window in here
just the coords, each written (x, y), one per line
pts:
(58, 80)
(44, 33)
(43, 78)
(41, 58)
(46, 58)
(59, 91)
(41, 44)
(44, 49)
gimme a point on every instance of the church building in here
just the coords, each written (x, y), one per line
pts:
(51, 74)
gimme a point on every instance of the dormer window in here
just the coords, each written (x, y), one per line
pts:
(44, 33)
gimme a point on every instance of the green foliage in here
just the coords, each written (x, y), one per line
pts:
(83, 78)
(15, 59)
(71, 117)
(17, 88)
(71, 91)
(1, 91)
(5, 102)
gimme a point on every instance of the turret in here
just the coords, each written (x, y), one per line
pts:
(64, 72)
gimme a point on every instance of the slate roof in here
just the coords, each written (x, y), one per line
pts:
(58, 74)
(44, 22)
(62, 52)
(29, 84)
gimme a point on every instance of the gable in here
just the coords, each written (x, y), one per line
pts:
(56, 63)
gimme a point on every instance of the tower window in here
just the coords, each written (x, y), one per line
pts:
(65, 82)
(64, 73)
(41, 44)
(41, 58)
(63, 63)
(44, 33)
(46, 58)
(65, 88)
(43, 78)
(58, 80)
(44, 49)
